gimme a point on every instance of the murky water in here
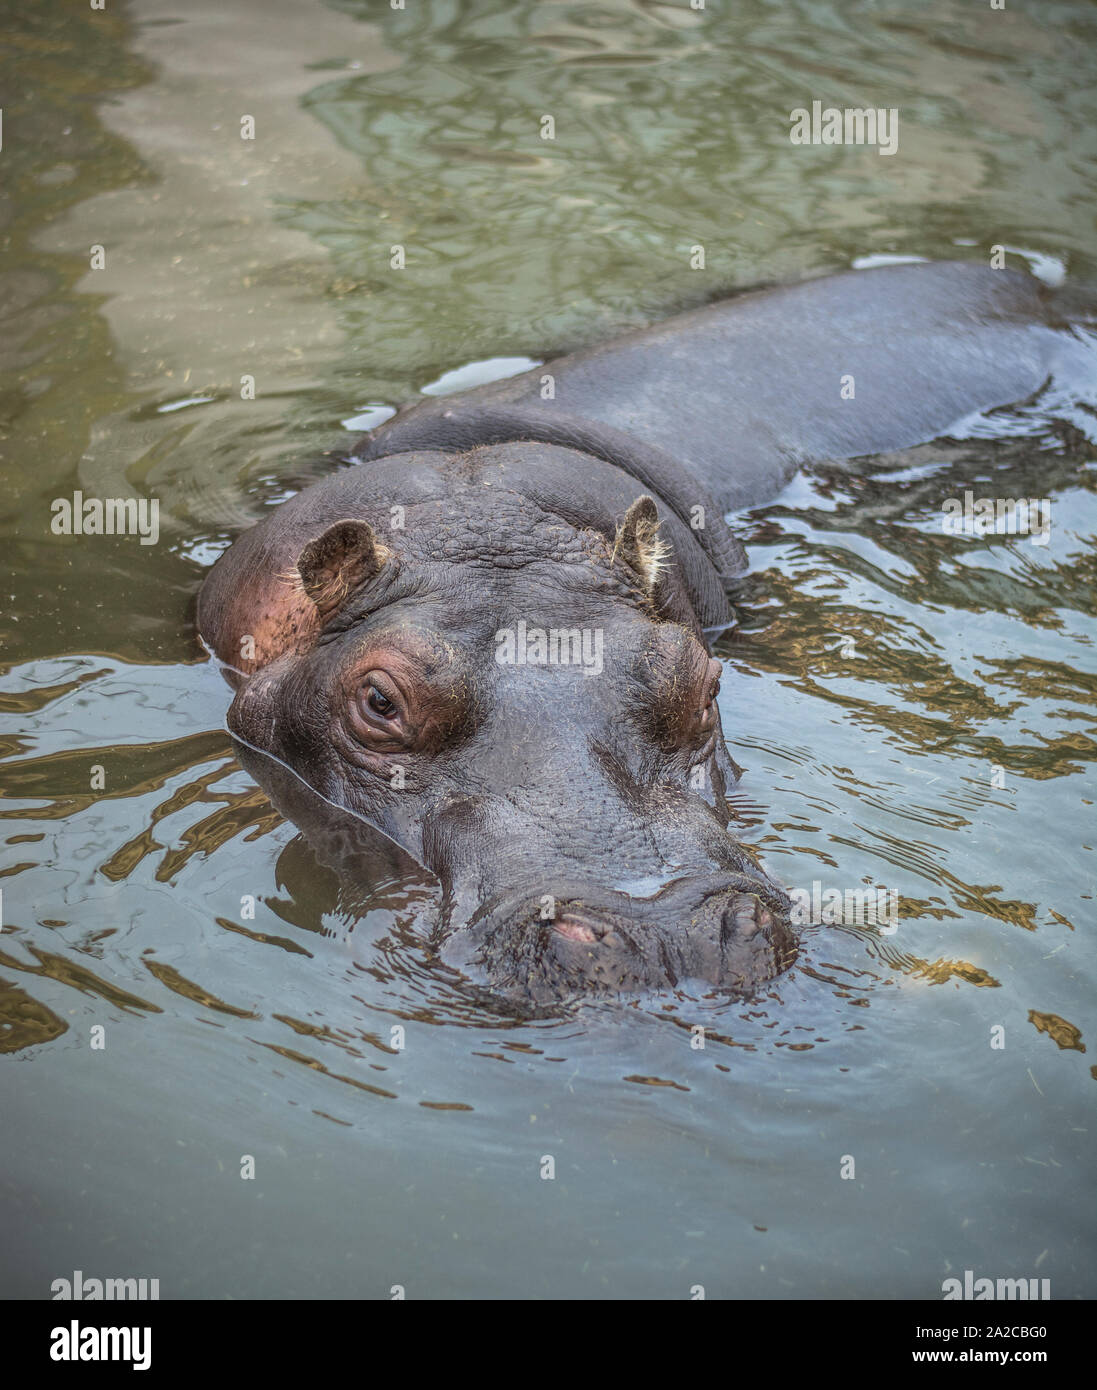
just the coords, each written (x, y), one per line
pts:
(912, 709)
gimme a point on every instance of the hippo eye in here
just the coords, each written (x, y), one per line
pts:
(377, 712)
(379, 703)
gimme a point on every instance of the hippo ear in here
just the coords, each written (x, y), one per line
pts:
(337, 563)
(639, 545)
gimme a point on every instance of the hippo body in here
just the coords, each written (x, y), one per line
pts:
(742, 393)
(487, 640)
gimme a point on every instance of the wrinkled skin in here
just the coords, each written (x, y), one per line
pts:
(516, 779)
(575, 814)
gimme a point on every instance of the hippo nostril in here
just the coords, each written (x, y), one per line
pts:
(589, 930)
(576, 928)
(747, 916)
(695, 932)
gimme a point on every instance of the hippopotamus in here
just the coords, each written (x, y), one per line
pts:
(488, 637)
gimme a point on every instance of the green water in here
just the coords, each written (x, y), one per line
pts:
(948, 756)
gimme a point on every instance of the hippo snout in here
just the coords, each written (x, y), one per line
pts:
(731, 934)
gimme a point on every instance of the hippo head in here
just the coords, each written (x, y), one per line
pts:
(526, 705)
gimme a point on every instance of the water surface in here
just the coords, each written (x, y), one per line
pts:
(911, 709)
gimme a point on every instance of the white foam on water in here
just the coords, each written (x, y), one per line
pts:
(478, 374)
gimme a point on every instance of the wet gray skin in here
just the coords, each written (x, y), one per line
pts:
(576, 817)
(574, 814)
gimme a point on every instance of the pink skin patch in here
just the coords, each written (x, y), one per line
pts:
(575, 928)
